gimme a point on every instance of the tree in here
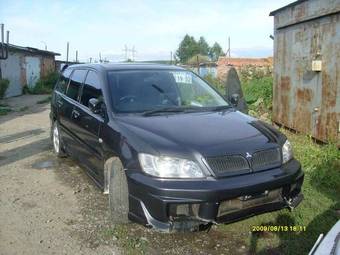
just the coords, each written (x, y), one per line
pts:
(201, 59)
(187, 48)
(203, 46)
(215, 52)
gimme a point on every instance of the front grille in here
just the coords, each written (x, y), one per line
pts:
(238, 164)
(263, 160)
(226, 165)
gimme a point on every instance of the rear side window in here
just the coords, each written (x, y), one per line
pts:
(77, 78)
(91, 88)
(63, 81)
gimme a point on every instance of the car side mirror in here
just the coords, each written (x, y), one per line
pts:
(95, 105)
(234, 99)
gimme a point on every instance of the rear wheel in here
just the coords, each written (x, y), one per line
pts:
(118, 191)
(57, 146)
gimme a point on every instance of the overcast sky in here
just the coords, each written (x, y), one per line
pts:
(154, 27)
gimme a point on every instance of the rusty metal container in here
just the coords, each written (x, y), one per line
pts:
(306, 92)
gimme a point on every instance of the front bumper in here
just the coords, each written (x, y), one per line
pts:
(186, 204)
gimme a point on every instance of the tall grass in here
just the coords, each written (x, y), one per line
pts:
(45, 84)
(321, 164)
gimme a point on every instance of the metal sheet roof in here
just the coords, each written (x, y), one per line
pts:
(32, 50)
(286, 6)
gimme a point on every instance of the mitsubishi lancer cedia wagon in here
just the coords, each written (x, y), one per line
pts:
(168, 149)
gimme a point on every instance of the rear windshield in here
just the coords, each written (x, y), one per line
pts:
(145, 90)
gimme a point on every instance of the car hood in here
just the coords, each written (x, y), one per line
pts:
(207, 133)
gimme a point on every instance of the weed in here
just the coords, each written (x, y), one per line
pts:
(4, 83)
(4, 110)
(259, 89)
(131, 244)
(44, 85)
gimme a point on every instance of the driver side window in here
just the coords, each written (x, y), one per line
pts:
(91, 89)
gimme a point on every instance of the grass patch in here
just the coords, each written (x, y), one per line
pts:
(4, 109)
(125, 239)
(321, 188)
(318, 211)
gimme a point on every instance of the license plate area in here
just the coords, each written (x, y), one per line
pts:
(248, 201)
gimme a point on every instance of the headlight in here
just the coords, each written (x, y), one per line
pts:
(287, 152)
(169, 167)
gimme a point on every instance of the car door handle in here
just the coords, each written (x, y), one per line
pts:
(75, 114)
(60, 103)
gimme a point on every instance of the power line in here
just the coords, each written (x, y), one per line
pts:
(129, 52)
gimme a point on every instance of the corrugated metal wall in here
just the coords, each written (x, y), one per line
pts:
(23, 69)
(304, 99)
(11, 70)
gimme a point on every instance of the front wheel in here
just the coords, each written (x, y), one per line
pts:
(57, 147)
(118, 191)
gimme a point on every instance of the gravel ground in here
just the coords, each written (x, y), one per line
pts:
(50, 206)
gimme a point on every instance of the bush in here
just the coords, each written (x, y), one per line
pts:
(201, 59)
(45, 84)
(215, 82)
(4, 83)
(251, 72)
(259, 89)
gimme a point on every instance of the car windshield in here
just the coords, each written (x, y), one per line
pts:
(141, 91)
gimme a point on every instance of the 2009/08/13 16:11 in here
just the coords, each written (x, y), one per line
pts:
(273, 228)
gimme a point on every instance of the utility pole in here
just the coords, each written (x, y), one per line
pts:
(129, 53)
(4, 47)
(126, 52)
(44, 44)
(91, 60)
(100, 57)
(76, 56)
(229, 46)
(228, 50)
(133, 53)
(170, 57)
(67, 50)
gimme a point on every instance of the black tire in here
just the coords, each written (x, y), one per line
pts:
(118, 191)
(56, 141)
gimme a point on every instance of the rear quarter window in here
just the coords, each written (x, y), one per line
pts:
(63, 81)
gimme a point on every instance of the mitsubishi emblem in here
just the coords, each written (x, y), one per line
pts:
(248, 155)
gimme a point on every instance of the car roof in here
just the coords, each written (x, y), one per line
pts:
(126, 66)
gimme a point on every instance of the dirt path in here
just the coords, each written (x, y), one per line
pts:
(50, 206)
(40, 212)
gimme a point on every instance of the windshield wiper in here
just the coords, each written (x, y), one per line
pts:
(163, 110)
(161, 91)
(185, 109)
(171, 110)
(220, 108)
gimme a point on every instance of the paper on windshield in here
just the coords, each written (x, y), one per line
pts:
(182, 77)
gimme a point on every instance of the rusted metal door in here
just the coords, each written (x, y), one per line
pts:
(32, 71)
(306, 98)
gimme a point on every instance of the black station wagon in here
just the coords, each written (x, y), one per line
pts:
(168, 149)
